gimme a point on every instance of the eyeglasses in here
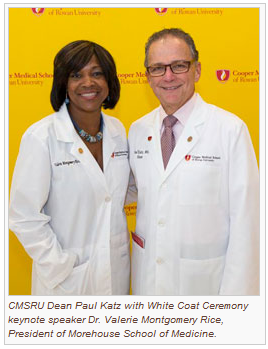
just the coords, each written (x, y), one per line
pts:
(177, 67)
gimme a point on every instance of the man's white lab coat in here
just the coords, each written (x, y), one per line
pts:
(197, 221)
(67, 213)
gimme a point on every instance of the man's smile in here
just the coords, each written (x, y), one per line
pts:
(171, 87)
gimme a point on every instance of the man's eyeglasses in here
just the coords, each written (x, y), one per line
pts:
(177, 67)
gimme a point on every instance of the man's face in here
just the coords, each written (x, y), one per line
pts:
(172, 90)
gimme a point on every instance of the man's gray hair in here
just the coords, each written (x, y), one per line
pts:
(176, 32)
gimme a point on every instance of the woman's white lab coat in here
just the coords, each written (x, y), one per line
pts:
(197, 222)
(67, 213)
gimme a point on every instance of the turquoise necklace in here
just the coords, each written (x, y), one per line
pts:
(86, 136)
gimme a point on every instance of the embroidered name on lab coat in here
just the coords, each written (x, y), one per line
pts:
(140, 153)
(71, 162)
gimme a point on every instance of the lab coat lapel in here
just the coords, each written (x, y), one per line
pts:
(109, 144)
(87, 159)
(65, 132)
(189, 137)
(153, 141)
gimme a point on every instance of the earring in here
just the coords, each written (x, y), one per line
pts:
(67, 101)
(108, 99)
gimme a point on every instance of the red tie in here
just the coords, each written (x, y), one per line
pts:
(168, 139)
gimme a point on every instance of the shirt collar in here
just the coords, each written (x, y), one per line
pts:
(183, 113)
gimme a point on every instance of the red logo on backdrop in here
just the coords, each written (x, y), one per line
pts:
(112, 156)
(223, 75)
(149, 138)
(161, 11)
(187, 157)
(38, 11)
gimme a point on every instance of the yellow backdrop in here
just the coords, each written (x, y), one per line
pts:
(227, 40)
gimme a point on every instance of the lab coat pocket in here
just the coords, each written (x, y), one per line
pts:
(199, 185)
(136, 268)
(77, 283)
(201, 277)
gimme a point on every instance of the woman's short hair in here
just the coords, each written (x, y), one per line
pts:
(75, 56)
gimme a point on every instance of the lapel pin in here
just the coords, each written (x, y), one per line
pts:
(80, 150)
(189, 139)
(149, 138)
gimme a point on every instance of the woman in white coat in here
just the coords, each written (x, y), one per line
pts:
(70, 180)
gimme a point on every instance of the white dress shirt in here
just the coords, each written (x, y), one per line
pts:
(182, 114)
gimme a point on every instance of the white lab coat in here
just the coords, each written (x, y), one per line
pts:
(199, 218)
(67, 213)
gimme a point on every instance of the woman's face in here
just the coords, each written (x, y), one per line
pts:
(87, 88)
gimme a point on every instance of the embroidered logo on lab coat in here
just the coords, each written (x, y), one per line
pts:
(119, 154)
(187, 157)
(202, 158)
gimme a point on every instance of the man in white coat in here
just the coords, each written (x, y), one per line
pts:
(197, 224)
